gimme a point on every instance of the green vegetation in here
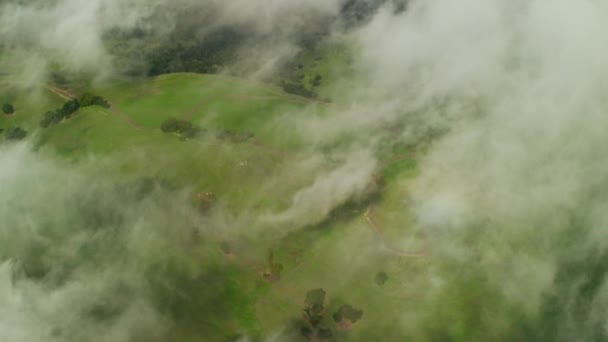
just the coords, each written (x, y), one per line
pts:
(240, 159)
(314, 313)
(347, 313)
(274, 269)
(381, 278)
(15, 133)
(8, 109)
(184, 128)
(88, 99)
(70, 108)
(65, 112)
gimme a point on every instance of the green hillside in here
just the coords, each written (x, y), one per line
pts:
(237, 161)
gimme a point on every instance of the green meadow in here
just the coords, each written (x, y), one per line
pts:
(245, 176)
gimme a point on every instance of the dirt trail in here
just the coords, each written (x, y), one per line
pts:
(129, 120)
(67, 95)
(276, 151)
(369, 216)
(63, 93)
(194, 109)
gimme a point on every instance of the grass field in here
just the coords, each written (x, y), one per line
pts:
(247, 177)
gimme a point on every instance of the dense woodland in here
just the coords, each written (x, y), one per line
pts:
(188, 48)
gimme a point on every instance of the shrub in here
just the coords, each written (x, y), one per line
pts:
(381, 278)
(15, 133)
(170, 125)
(88, 99)
(317, 81)
(8, 108)
(184, 128)
(47, 119)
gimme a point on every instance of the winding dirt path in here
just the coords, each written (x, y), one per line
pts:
(63, 93)
(129, 120)
(194, 109)
(370, 217)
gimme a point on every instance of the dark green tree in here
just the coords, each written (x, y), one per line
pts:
(381, 278)
(171, 125)
(8, 108)
(185, 128)
(347, 312)
(314, 314)
(47, 119)
(317, 81)
(15, 133)
(51, 118)
(88, 99)
(101, 102)
(315, 297)
(70, 108)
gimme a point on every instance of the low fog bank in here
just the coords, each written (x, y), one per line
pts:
(85, 257)
(88, 254)
(513, 191)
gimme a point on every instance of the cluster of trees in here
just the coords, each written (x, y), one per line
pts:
(314, 313)
(208, 54)
(347, 314)
(69, 108)
(8, 109)
(192, 46)
(56, 116)
(182, 127)
(15, 133)
(88, 99)
(356, 12)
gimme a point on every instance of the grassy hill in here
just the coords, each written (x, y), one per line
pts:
(245, 176)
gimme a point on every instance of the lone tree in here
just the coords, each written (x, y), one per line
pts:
(317, 81)
(381, 278)
(170, 125)
(186, 129)
(15, 133)
(347, 315)
(313, 314)
(8, 108)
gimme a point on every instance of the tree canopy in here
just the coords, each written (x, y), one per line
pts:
(185, 128)
(15, 133)
(8, 108)
(347, 312)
